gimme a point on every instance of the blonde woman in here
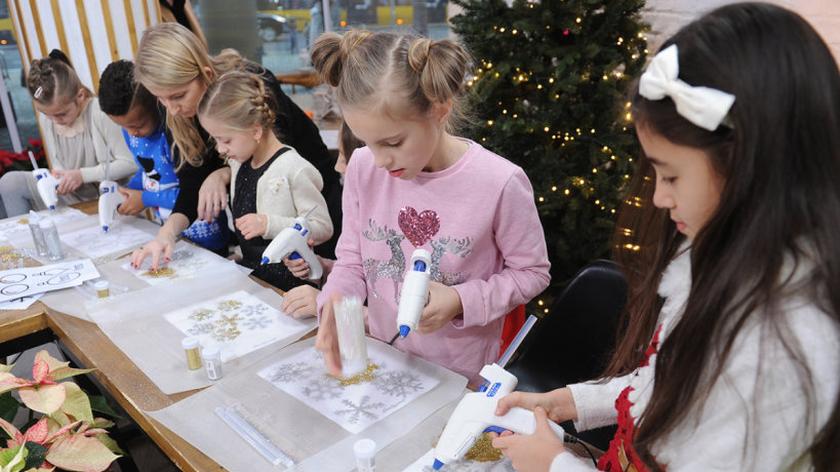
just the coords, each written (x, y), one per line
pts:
(175, 66)
(78, 136)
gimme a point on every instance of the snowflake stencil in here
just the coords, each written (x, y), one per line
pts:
(253, 310)
(261, 322)
(202, 314)
(363, 409)
(229, 305)
(291, 372)
(398, 383)
(323, 388)
(201, 328)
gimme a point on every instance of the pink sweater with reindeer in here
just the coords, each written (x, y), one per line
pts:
(479, 222)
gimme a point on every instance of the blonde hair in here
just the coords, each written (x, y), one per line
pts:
(53, 77)
(171, 56)
(370, 68)
(240, 100)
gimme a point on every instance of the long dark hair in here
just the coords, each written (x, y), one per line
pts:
(779, 157)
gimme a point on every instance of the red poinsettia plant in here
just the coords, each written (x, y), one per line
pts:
(66, 436)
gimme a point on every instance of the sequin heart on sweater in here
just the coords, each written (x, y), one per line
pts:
(418, 228)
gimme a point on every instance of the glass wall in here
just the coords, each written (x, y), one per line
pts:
(12, 73)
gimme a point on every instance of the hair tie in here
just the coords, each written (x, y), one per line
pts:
(703, 106)
(362, 36)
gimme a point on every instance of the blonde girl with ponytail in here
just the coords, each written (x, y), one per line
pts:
(271, 184)
(416, 185)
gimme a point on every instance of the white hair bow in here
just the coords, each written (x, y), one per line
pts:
(705, 107)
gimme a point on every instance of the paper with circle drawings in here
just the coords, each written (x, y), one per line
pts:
(93, 243)
(187, 261)
(26, 281)
(353, 407)
(424, 464)
(238, 322)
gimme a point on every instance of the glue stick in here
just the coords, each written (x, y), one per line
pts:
(350, 324)
(365, 452)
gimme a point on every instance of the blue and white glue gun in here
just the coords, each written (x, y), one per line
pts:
(46, 184)
(476, 414)
(415, 291)
(109, 200)
(293, 242)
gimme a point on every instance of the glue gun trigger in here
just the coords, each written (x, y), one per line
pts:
(494, 429)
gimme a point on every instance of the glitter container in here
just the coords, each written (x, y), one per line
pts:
(365, 452)
(101, 288)
(212, 357)
(192, 349)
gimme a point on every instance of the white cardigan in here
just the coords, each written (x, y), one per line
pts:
(715, 439)
(288, 189)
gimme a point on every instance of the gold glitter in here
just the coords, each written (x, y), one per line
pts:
(9, 254)
(483, 450)
(202, 314)
(365, 376)
(229, 305)
(159, 273)
(23, 221)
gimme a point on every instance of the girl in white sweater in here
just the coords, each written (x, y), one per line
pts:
(270, 184)
(738, 368)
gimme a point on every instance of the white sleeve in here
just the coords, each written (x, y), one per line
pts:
(595, 402)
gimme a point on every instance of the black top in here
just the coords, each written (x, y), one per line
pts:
(292, 127)
(179, 11)
(244, 203)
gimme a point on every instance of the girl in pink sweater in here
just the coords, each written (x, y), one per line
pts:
(416, 185)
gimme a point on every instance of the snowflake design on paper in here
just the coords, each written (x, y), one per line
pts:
(227, 328)
(202, 314)
(363, 409)
(398, 383)
(253, 310)
(289, 372)
(229, 305)
(323, 388)
(201, 328)
(255, 322)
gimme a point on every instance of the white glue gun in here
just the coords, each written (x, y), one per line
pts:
(109, 200)
(415, 291)
(292, 242)
(476, 414)
(46, 183)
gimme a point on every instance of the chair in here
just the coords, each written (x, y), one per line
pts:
(574, 342)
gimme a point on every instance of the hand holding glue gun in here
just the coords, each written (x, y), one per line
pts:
(292, 242)
(479, 412)
(46, 183)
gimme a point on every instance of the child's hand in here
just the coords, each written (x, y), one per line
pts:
(300, 302)
(70, 180)
(299, 267)
(559, 403)
(327, 340)
(444, 304)
(533, 452)
(132, 203)
(252, 225)
(159, 248)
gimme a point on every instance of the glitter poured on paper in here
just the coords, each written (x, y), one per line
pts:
(159, 273)
(362, 377)
(483, 450)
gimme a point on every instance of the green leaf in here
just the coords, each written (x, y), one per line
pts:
(76, 403)
(65, 372)
(36, 454)
(8, 406)
(99, 404)
(110, 443)
(6, 368)
(45, 399)
(12, 459)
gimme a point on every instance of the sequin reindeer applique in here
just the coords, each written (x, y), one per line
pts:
(440, 246)
(393, 268)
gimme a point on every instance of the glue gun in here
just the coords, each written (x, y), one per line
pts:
(292, 242)
(109, 200)
(415, 291)
(47, 185)
(476, 414)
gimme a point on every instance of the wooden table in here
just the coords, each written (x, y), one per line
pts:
(129, 386)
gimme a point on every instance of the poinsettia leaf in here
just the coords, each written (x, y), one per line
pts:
(62, 431)
(6, 368)
(40, 370)
(110, 443)
(76, 403)
(99, 404)
(9, 382)
(65, 372)
(38, 432)
(102, 423)
(36, 455)
(53, 363)
(76, 452)
(43, 398)
(12, 459)
(58, 420)
(8, 406)
(10, 430)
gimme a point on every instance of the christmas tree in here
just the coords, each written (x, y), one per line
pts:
(549, 92)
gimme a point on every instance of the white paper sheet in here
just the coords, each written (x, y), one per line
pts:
(188, 260)
(17, 283)
(21, 303)
(353, 407)
(424, 464)
(17, 227)
(238, 322)
(93, 243)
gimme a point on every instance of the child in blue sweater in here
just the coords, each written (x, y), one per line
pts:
(155, 185)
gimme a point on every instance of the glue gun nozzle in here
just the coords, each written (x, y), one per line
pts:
(264, 260)
(404, 330)
(437, 465)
